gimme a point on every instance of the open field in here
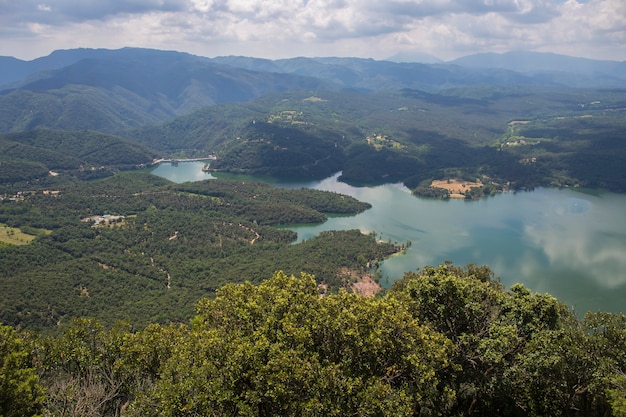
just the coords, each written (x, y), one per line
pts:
(14, 236)
(456, 187)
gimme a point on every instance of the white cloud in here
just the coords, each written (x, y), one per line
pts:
(202, 6)
(281, 28)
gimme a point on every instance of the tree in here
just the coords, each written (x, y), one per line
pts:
(492, 330)
(607, 335)
(82, 372)
(281, 349)
(20, 392)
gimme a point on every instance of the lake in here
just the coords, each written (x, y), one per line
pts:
(559, 241)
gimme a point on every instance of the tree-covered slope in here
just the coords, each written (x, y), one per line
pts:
(13, 70)
(137, 247)
(77, 107)
(134, 87)
(392, 122)
(515, 68)
(578, 72)
(109, 90)
(413, 136)
(30, 156)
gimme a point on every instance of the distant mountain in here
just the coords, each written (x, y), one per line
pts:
(417, 57)
(359, 74)
(252, 64)
(132, 87)
(174, 82)
(525, 68)
(12, 69)
(114, 90)
(571, 70)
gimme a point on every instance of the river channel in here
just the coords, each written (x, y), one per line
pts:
(563, 242)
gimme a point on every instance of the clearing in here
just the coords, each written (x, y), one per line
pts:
(14, 236)
(456, 187)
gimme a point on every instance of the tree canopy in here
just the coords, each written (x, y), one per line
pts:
(445, 340)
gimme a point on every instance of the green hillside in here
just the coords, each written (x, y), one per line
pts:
(376, 121)
(124, 294)
(137, 247)
(51, 157)
(129, 88)
(413, 136)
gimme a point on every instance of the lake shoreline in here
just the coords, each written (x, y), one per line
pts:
(568, 242)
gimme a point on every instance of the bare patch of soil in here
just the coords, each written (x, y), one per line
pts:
(360, 283)
(456, 187)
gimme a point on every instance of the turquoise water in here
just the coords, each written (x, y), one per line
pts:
(563, 242)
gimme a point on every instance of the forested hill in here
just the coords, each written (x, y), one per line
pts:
(591, 72)
(30, 158)
(109, 90)
(376, 121)
(518, 66)
(509, 136)
(124, 294)
(137, 247)
(113, 90)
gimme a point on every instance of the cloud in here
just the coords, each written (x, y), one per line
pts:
(280, 28)
(529, 11)
(58, 12)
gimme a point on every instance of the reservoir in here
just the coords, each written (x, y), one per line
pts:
(559, 241)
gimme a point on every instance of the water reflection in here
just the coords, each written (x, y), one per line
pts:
(579, 235)
(182, 172)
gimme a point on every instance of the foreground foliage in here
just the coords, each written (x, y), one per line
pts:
(444, 341)
(20, 391)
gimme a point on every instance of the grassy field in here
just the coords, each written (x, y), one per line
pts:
(14, 236)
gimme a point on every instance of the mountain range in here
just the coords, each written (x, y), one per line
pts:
(110, 90)
(13, 70)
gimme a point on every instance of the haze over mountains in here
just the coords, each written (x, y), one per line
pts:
(131, 87)
(502, 122)
(12, 69)
(84, 238)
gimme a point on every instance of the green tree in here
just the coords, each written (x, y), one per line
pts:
(491, 329)
(607, 335)
(20, 391)
(82, 373)
(281, 349)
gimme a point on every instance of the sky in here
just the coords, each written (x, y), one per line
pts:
(275, 29)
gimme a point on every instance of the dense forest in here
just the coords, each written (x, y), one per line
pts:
(443, 341)
(47, 157)
(376, 122)
(415, 137)
(135, 246)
